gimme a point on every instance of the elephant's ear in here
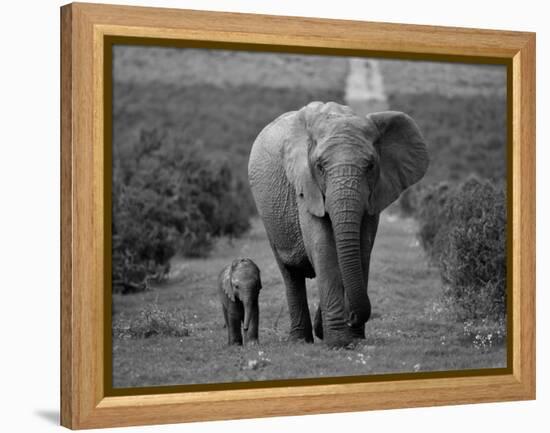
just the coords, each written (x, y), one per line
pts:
(226, 284)
(403, 156)
(308, 190)
(298, 170)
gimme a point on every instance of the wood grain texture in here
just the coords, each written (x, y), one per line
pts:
(308, 32)
(524, 126)
(84, 26)
(67, 394)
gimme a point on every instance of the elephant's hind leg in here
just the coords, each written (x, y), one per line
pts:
(300, 320)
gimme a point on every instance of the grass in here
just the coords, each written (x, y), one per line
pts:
(151, 321)
(222, 68)
(409, 331)
(225, 121)
(441, 78)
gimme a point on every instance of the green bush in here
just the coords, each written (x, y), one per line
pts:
(463, 229)
(167, 200)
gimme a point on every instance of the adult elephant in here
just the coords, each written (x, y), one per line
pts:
(320, 177)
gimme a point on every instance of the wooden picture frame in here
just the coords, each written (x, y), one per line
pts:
(85, 28)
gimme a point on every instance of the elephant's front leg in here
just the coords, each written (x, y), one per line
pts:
(234, 318)
(332, 314)
(300, 320)
(318, 323)
(331, 322)
(356, 332)
(226, 324)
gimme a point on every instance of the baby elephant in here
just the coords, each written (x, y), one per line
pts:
(239, 286)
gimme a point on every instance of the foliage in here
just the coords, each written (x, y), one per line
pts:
(463, 229)
(151, 321)
(167, 200)
(431, 211)
(462, 223)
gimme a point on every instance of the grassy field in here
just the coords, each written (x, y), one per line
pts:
(217, 99)
(409, 330)
(446, 79)
(189, 67)
(174, 334)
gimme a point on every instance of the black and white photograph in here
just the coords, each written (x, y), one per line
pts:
(285, 216)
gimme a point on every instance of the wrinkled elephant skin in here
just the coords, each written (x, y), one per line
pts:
(320, 177)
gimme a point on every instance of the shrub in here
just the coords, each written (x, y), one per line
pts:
(167, 200)
(431, 211)
(473, 252)
(463, 229)
(151, 321)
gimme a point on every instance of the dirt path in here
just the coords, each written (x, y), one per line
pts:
(365, 87)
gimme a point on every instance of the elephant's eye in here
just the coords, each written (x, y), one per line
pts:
(320, 168)
(370, 165)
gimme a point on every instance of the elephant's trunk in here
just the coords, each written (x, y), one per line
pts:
(345, 203)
